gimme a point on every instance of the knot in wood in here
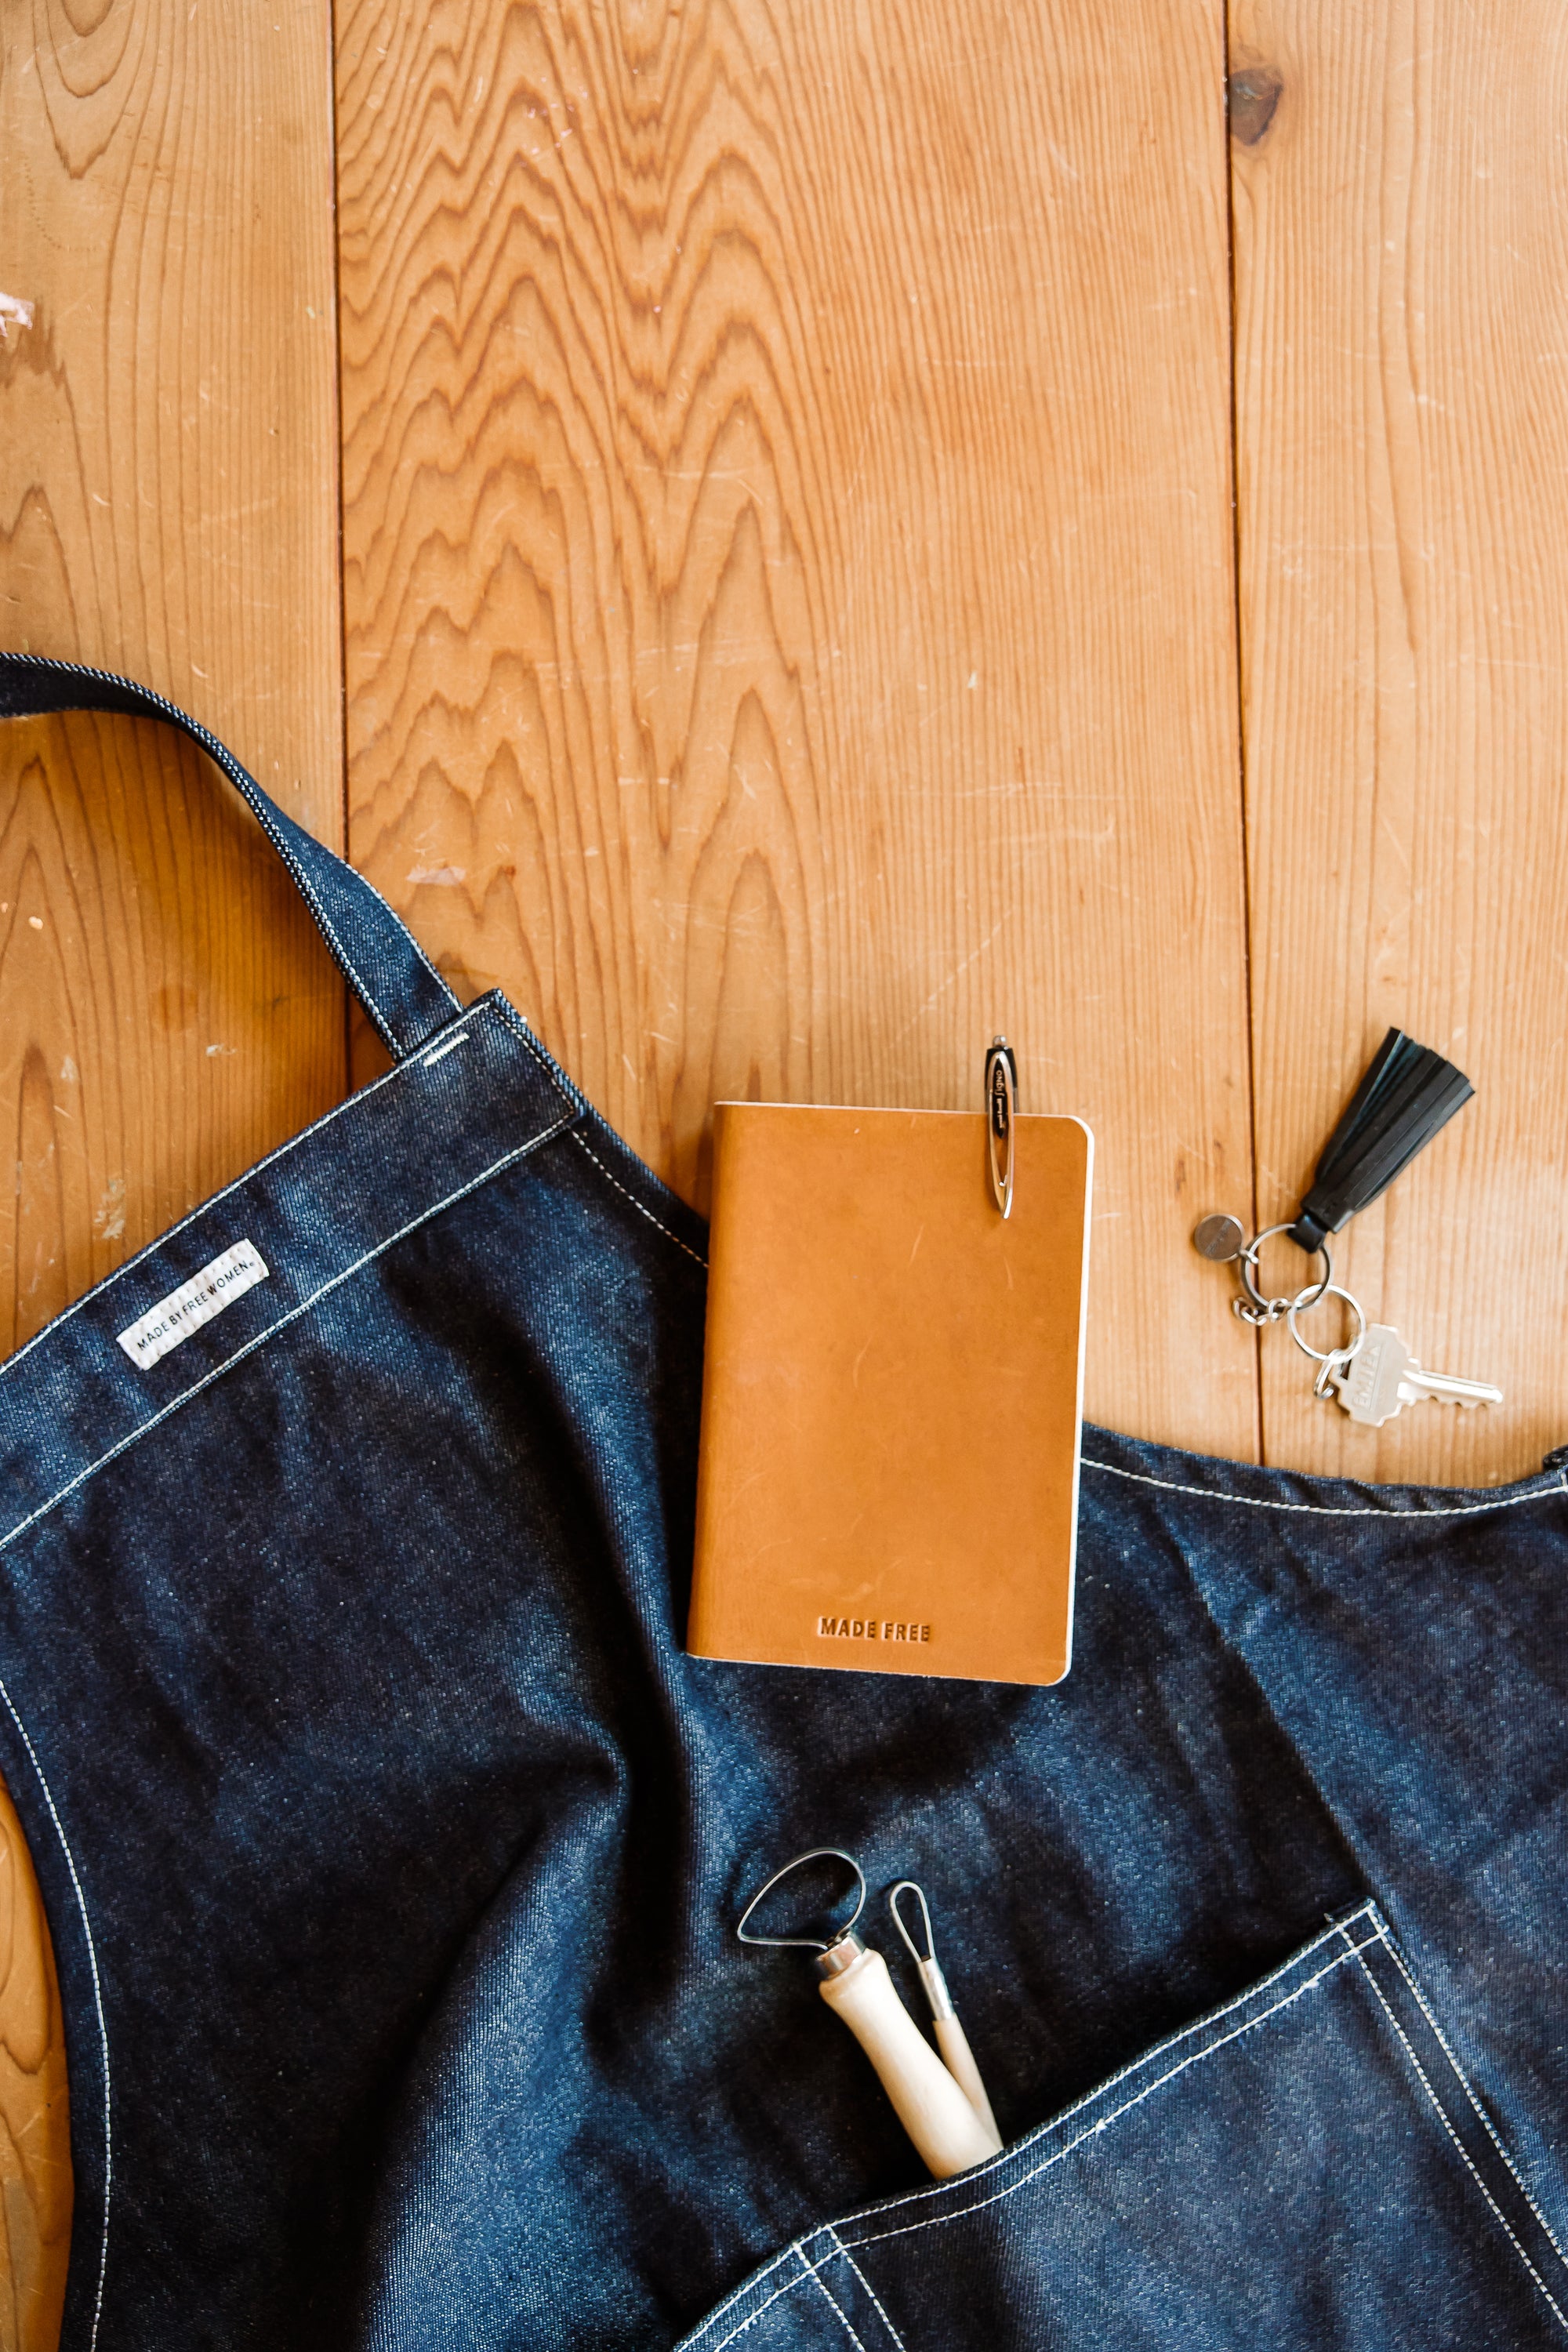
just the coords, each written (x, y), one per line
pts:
(1250, 98)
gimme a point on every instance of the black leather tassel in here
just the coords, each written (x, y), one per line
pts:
(1407, 1095)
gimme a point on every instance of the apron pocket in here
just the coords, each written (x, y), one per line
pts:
(1305, 2167)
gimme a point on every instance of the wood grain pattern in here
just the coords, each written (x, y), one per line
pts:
(34, 2151)
(787, 561)
(788, 581)
(1401, 357)
(168, 506)
(160, 1036)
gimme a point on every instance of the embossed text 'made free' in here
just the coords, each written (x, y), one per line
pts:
(870, 1629)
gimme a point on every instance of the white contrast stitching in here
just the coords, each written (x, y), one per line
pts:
(1009, 2156)
(1096, 2129)
(307, 890)
(100, 1289)
(745, 2289)
(216, 1373)
(579, 1137)
(826, 2294)
(444, 985)
(561, 1080)
(866, 2283)
(97, 1999)
(450, 1046)
(510, 1014)
(1331, 1510)
(1465, 2156)
(133, 1436)
(91, 1297)
(1482, 2117)
(747, 2325)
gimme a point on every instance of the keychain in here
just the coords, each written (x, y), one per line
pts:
(1375, 1376)
(947, 2114)
(1406, 1096)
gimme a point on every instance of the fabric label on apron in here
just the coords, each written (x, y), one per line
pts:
(227, 1278)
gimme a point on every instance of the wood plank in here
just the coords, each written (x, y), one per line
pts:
(1401, 193)
(169, 509)
(788, 575)
(35, 2151)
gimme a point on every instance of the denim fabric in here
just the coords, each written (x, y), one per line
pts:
(393, 1847)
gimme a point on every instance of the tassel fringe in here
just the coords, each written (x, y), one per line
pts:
(1407, 1095)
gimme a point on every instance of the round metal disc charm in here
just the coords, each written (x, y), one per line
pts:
(1220, 1238)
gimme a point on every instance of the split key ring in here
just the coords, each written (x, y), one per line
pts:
(1329, 1361)
(1270, 1310)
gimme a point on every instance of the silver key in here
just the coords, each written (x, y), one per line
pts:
(1383, 1376)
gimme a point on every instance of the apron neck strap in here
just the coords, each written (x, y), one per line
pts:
(385, 965)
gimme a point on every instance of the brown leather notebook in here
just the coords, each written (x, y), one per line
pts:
(891, 1395)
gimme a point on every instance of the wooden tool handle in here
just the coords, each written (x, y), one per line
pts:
(954, 2043)
(937, 2115)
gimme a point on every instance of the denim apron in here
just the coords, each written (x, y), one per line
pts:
(392, 1847)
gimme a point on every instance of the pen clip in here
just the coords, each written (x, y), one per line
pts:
(1001, 1113)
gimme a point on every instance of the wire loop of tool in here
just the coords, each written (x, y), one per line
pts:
(930, 1967)
(912, 1887)
(806, 1942)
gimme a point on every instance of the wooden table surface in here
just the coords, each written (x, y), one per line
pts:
(790, 540)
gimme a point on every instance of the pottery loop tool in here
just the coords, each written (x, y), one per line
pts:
(950, 2037)
(950, 2133)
